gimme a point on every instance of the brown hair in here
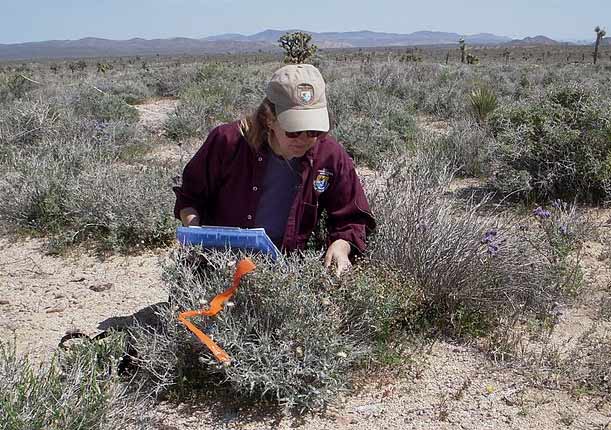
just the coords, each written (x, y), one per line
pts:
(254, 127)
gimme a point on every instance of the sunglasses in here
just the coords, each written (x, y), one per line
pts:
(309, 133)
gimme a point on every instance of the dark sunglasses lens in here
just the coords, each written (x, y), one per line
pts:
(309, 133)
(314, 133)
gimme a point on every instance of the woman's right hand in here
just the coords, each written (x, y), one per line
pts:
(189, 217)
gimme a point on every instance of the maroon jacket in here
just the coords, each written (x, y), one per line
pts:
(222, 183)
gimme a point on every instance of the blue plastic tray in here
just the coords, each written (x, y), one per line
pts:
(251, 239)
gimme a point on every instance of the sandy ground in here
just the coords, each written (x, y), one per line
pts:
(42, 297)
(154, 113)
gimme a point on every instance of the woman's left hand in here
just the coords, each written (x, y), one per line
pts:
(338, 251)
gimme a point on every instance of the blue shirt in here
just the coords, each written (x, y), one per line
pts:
(280, 183)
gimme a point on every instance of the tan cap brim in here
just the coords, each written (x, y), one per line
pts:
(303, 119)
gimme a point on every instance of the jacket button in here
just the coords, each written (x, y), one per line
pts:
(254, 188)
(249, 217)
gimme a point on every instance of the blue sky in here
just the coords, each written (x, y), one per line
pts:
(35, 20)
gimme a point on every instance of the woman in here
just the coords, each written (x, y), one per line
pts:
(278, 169)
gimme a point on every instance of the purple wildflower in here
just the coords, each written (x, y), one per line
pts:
(541, 213)
(490, 239)
(489, 236)
(564, 229)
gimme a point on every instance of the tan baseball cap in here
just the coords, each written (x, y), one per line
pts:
(298, 93)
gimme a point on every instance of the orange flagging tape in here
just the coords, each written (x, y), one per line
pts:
(216, 305)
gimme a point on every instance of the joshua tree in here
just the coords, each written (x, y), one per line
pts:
(506, 55)
(297, 48)
(600, 33)
(463, 48)
(104, 67)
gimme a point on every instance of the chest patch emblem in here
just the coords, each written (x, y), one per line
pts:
(322, 181)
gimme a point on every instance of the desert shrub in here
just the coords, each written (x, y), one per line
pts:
(30, 123)
(445, 94)
(166, 83)
(231, 89)
(559, 233)
(465, 147)
(293, 332)
(103, 107)
(131, 91)
(193, 117)
(216, 94)
(77, 195)
(76, 392)
(469, 267)
(27, 122)
(14, 86)
(557, 145)
(369, 123)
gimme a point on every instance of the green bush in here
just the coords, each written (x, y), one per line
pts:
(77, 195)
(293, 332)
(216, 94)
(555, 146)
(78, 391)
(103, 107)
(132, 92)
(369, 123)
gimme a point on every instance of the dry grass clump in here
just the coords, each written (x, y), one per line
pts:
(472, 266)
(293, 332)
(587, 366)
(76, 390)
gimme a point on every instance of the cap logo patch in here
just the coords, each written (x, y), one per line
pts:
(305, 92)
(323, 178)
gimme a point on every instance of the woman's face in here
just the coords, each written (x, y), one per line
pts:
(288, 147)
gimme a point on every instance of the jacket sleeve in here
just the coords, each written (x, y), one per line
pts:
(347, 208)
(201, 176)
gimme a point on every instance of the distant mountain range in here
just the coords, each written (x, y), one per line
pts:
(537, 40)
(234, 43)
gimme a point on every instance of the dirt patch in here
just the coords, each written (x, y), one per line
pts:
(43, 297)
(433, 125)
(154, 113)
